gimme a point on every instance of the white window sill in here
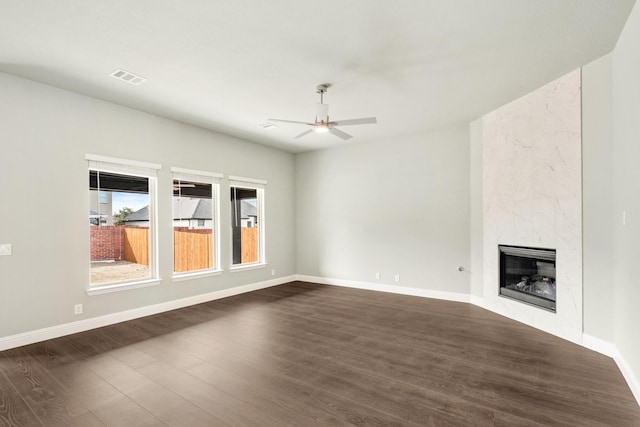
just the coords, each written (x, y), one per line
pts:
(181, 277)
(117, 287)
(243, 267)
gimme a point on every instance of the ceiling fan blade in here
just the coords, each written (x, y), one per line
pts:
(290, 121)
(339, 133)
(364, 121)
(303, 133)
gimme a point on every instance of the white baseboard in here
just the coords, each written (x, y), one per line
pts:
(403, 290)
(38, 335)
(611, 350)
(599, 345)
(628, 374)
(476, 300)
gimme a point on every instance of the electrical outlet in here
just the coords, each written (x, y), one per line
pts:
(397, 278)
(77, 309)
(378, 276)
(624, 218)
(5, 249)
(273, 272)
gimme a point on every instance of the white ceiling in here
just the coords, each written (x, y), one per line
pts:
(230, 65)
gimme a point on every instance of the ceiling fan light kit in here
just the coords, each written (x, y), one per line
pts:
(322, 124)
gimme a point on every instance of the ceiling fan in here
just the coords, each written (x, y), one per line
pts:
(322, 123)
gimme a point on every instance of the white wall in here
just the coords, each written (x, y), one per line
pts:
(46, 133)
(626, 191)
(597, 198)
(476, 211)
(394, 207)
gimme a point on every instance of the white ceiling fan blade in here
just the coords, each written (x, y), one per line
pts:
(290, 121)
(339, 133)
(303, 133)
(363, 121)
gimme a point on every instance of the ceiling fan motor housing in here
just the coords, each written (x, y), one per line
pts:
(322, 88)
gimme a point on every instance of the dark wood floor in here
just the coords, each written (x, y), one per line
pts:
(304, 355)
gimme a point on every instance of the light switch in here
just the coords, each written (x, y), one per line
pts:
(5, 249)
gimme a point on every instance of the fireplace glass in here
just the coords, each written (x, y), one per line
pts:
(528, 275)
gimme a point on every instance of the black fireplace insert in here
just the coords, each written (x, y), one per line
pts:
(528, 275)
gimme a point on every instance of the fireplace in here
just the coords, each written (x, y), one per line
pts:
(528, 275)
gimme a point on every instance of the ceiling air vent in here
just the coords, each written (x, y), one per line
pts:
(128, 77)
(267, 125)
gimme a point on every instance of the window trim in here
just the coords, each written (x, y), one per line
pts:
(124, 165)
(193, 173)
(259, 185)
(253, 182)
(203, 177)
(189, 275)
(123, 286)
(249, 266)
(133, 168)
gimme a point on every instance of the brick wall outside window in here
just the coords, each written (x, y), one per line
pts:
(107, 242)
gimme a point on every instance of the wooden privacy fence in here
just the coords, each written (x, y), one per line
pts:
(249, 243)
(192, 251)
(136, 245)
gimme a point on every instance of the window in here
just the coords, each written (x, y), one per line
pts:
(123, 229)
(247, 221)
(195, 221)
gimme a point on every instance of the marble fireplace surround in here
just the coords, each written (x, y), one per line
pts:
(532, 196)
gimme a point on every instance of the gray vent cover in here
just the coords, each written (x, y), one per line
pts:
(128, 77)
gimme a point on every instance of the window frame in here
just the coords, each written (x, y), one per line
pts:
(260, 186)
(138, 169)
(202, 177)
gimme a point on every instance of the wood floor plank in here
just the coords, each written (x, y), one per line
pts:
(86, 420)
(231, 410)
(171, 408)
(119, 375)
(303, 354)
(14, 411)
(312, 406)
(417, 405)
(122, 411)
(48, 400)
